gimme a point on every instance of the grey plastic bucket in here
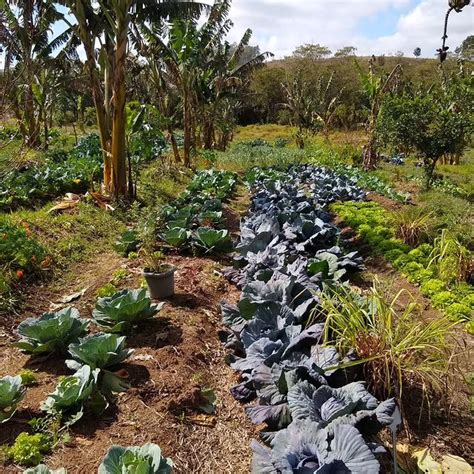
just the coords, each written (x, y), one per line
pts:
(161, 285)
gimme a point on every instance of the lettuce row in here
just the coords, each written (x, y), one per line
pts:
(376, 226)
(314, 411)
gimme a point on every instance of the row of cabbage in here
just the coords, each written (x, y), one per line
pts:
(96, 362)
(316, 410)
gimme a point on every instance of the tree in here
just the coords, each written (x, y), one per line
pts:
(345, 52)
(375, 87)
(108, 26)
(466, 49)
(25, 34)
(301, 104)
(433, 123)
(314, 52)
(417, 52)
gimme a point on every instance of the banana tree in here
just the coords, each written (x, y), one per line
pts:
(108, 24)
(375, 88)
(25, 28)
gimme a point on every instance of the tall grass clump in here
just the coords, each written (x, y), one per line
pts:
(413, 225)
(396, 348)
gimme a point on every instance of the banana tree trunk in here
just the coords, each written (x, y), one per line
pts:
(187, 125)
(174, 145)
(119, 153)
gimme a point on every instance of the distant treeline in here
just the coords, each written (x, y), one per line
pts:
(264, 99)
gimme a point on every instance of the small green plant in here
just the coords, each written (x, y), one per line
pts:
(43, 469)
(123, 310)
(28, 377)
(413, 225)
(12, 392)
(154, 261)
(51, 332)
(29, 450)
(452, 260)
(119, 275)
(129, 241)
(140, 459)
(107, 290)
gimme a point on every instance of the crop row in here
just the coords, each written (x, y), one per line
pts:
(440, 268)
(98, 375)
(315, 408)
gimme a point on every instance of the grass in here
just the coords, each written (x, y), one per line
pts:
(396, 348)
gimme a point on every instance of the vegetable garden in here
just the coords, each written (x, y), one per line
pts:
(213, 262)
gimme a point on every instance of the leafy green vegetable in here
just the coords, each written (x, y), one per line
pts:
(176, 236)
(73, 394)
(212, 239)
(29, 450)
(121, 311)
(128, 242)
(51, 332)
(146, 459)
(11, 393)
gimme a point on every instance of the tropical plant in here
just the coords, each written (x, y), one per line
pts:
(51, 332)
(12, 392)
(375, 88)
(146, 459)
(73, 394)
(114, 24)
(25, 29)
(123, 310)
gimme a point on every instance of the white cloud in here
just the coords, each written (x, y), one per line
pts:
(281, 25)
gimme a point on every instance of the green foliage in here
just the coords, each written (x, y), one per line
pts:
(107, 290)
(28, 377)
(123, 310)
(430, 123)
(29, 450)
(41, 182)
(146, 459)
(214, 240)
(395, 346)
(73, 394)
(12, 392)
(98, 351)
(51, 332)
(438, 269)
(128, 241)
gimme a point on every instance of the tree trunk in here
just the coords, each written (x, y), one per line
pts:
(119, 168)
(187, 125)
(174, 145)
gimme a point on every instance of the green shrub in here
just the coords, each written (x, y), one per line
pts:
(28, 377)
(392, 255)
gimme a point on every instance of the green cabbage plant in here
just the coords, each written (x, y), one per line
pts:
(102, 351)
(51, 332)
(121, 311)
(11, 393)
(146, 459)
(73, 394)
(213, 239)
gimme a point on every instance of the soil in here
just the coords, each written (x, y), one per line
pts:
(177, 354)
